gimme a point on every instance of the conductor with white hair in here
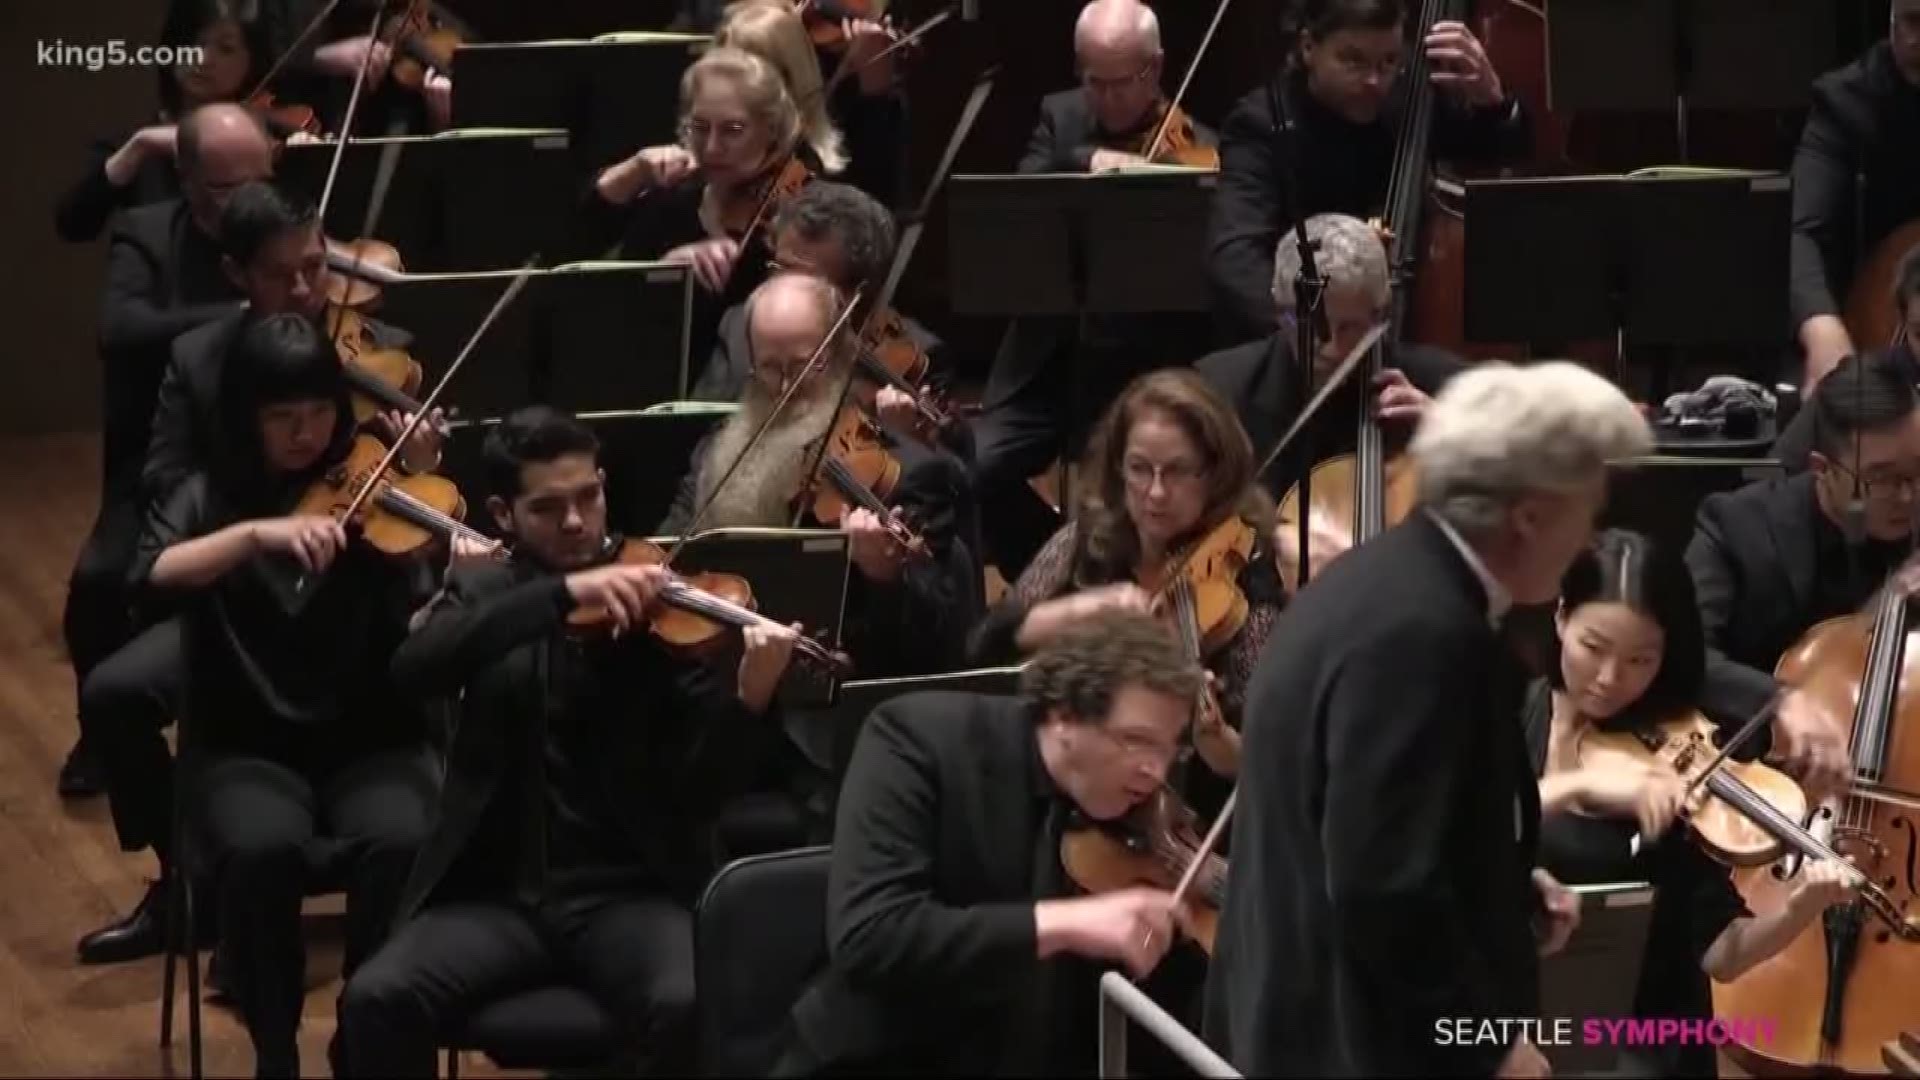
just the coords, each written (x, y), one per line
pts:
(1101, 124)
(1384, 882)
(1268, 388)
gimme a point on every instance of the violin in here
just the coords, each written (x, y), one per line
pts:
(747, 208)
(697, 613)
(1202, 593)
(1174, 142)
(382, 379)
(424, 39)
(888, 356)
(1154, 845)
(346, 286)
(825, 19)
(401, 515)
(283, 121)
(857, 472)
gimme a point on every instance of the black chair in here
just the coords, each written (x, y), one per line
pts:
(551, 1027)
(759, 936)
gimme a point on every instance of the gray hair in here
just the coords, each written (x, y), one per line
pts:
(1346, 252)
(825, 209)
(1499, 433)
(1101, 17)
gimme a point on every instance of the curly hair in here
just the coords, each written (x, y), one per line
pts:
(1108, 541)
(1080, 672)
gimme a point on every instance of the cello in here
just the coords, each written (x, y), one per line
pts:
(1844, 987)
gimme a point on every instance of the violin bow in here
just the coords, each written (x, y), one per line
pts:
(1203, 852)
(1193, 68)
(841, 73)
(1747, 731)
(902, 254)
(1339, 377)
(313, 26)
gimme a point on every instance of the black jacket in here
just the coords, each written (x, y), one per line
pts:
(1343, 168)
(1856, 177)
(163, 279)
(1064, 139)
(940, 850)
(1259, 380)
(84, 209)
(1382, 866)
(497, 637)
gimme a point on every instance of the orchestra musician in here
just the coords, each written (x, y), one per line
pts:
(1631, 651)
(1774, 558)
(837, 232)
(905, 616)
(954, 948)
(138, 168)
(1795, 442)
(1335, 107)
(689, 202)
(583, 774)
(1170, 464)
(1264, 383)
(273, 250)
(1856, 179)
(858, 129)
(163, 278)
(1054, 377)
(300, 731)
(320, 69)
(1383, 862)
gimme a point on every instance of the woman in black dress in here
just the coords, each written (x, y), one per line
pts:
(1631, 652)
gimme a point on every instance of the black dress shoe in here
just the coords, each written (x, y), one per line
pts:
(82, 777)
(141, 933)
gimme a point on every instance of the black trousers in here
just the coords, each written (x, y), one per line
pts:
(98, 619)
(632, 951)
(126, 703)
(259, 819)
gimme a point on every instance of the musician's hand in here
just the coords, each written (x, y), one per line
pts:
(1524, 1062)
(1825, 341)
(1131, 927)
(1460, 64)
(344, 57)
(872, 548)
(1563, 912)
(1326, 541)
(1110, 160)
(867, 39)
(1399, 399)
(625, 590)
(422, 453)
(1622, 787)
(469, 550)
(1050, 618)
(437, 92)
(712, 261)
(1215, 740)
(896, 408)
(1824, 883)
(763, 662)
(663, 166)
(1812, 746)
(314, 540)
(156, 140)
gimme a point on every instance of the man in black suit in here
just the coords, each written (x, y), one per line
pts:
(1776, 557)
(1053, 377)
(163, 279)
(581, 778)
(953, 949)
(1383, 877)
(1337, 99)
(1856, 178)
(1268, 390)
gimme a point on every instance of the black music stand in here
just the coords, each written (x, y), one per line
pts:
(798, 575)
(1668, 261)
(1596, 975)
(632, 447)
(615, 93)
(1661, 495)
(592, 337)
(1073, 244)
(859, 697)
(456, 201)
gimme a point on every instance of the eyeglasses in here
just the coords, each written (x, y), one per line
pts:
(1361, 65)
(1883, 488)
(1141, 473)
(1101, 85)
(696, 132)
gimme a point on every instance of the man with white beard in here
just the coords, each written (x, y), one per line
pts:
(905, 615)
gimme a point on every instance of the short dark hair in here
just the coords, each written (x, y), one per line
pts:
(864, 227)
(256, 213)
(1864, 392)
(1321, 19)
(1081, 671)
(286, 357)
(1623, 567)
(528, 436)
(1906, 284)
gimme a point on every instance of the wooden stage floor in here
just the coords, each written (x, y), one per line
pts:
(64, 873)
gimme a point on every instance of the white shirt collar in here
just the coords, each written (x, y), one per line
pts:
(1498, 599)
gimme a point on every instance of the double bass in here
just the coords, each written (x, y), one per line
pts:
(1845, 986)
